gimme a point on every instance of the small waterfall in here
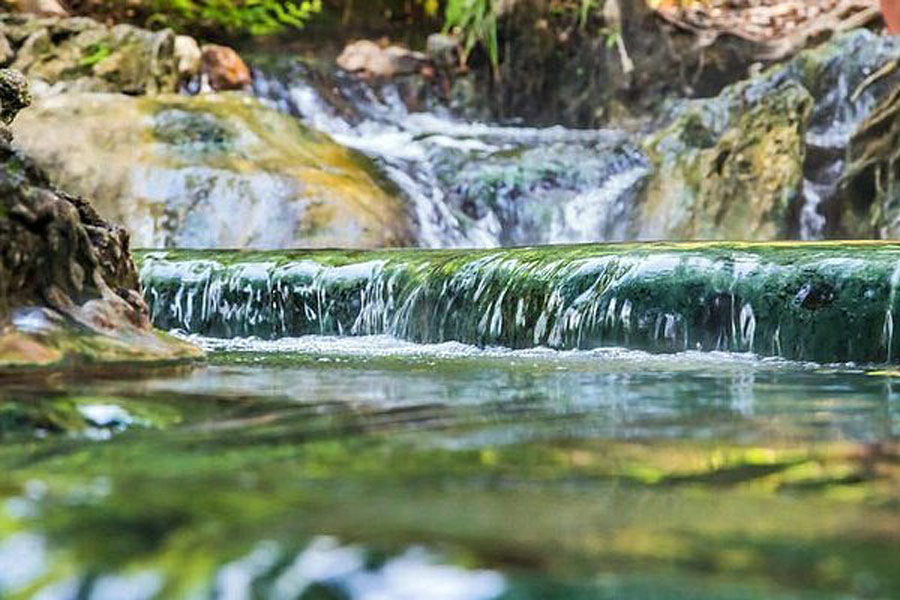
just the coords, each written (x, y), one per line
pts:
(474, 184)
(823, 302)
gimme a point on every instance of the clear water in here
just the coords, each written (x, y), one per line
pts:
(372, 468)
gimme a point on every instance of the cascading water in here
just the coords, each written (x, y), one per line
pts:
(478, 185)
(825, 302)
(473, 184)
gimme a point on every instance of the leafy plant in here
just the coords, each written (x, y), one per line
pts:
(256, 17)
(475, 21)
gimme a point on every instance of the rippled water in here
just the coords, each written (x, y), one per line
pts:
(321, 467)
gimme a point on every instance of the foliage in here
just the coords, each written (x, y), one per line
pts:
(475, 21)
(256, 17)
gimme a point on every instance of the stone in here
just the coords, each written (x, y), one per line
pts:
(765, 159)
(188, 57)
(68, 286)
(214, 170)
(370, 59)
(224, 69)
(42, 7)
(891, 11)
(80, 54)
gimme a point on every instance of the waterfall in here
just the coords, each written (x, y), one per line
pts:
(818, 302)
(474, 184)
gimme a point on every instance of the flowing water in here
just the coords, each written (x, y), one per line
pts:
(352, 437)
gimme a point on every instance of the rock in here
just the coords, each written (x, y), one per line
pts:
(443, 50)
(42, 7)
(68, 286)
(80, 54)
(224, 69)
(212, 171)
(14, 94)
(872, 181)
(742, 183)
(368, 58)
(765, 158)
(188, 57)
(7, 54)
(891, 11)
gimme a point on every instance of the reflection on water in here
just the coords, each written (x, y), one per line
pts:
(376, 469)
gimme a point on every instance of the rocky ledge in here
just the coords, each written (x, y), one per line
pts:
(69, 291)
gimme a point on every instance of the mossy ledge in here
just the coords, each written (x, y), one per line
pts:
(824, 302)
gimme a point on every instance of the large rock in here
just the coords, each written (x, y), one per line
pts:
(80, 54)
(764, 159)
(68, 287)
(211, 172)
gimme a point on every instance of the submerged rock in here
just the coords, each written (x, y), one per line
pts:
(212, 171)
(68, 287)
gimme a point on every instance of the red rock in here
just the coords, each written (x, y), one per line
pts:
(891, 11)
(224, 68)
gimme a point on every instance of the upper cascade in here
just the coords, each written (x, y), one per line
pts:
(826, 302)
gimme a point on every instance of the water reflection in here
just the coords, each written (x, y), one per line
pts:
(370, 468)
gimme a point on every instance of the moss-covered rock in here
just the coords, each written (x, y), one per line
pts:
(68, 287)
(84, 55)
(742, 183)
(764, 158)
(212, 171)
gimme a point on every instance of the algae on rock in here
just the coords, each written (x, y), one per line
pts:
(212, 171)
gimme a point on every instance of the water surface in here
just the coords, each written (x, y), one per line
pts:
(323, 467)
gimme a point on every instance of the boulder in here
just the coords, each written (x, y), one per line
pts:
(765, 159)
(69, 293)
(80, 54)
(370, 59)
(212, 171)
(224, 69)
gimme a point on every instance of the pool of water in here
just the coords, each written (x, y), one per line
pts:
(372, 468)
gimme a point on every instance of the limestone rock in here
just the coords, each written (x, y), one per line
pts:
(224, 69)
(212, 171)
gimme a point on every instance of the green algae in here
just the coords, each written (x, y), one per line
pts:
(828, 302)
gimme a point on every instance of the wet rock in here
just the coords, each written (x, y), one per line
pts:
(59, 257)
(739, 183)
(212, 171)
(370, 59)
(80, 54)
(764, 159)
(189, 57)
(224, 69)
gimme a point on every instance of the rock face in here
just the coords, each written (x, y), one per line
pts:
(80, 54)
(68, 287)
(765, 159)
(211, 172)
